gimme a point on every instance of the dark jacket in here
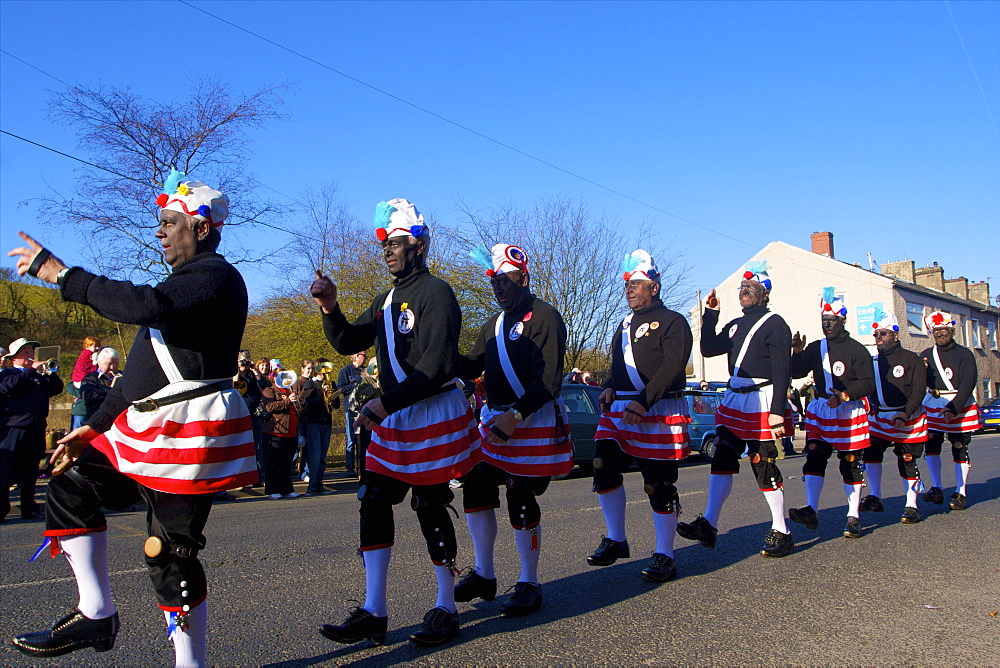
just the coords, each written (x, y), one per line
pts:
(857, 378)
(94, 389)
(903, 379)
(964, 373)
(24, 396)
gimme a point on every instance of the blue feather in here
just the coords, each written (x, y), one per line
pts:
(482, 256)
(829, 294)
(630, 262)
(174, 180)
(383, 213)
(757, 266)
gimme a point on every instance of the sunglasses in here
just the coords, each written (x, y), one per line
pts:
(881, 334)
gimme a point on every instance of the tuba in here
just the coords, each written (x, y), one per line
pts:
(325, 369)
(285, 379)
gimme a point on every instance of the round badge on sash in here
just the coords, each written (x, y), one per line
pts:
(732, 330)
(838, 368)
(406, 321)
(642, 329)
(515, 331)
(897, 371)
(655, 324)
(948, 373)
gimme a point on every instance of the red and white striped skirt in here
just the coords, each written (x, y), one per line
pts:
(966, 421)
(746, 415)
(430, 442)
(540, 446)
(882, 426)
(661, 433)
(197, 446)
(844, 427)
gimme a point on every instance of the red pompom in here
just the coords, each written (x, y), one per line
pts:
(381, 234)
(748, 275)
(161, 200)
(827, 307)
(625, 276)
(874, 325)
(491, 273)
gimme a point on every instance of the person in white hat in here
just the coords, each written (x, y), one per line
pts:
(423, 429)
(837, 417)
(754, 414)
(180, 371)
(644, 418)
(897, 418)
(951, 407)
(25, 389)
(524, 425)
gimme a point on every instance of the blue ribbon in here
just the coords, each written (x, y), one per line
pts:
(45, 544)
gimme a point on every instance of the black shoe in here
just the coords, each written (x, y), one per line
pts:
(957, 501)
(358, 626)
(853, 528)
(474, 585)
(804, 515)
(72, 632)
(936, 495)
(439, 627)
(527, 598)
(701, 530)
(777, 544)
(910, 515)
(871, 504)
(661, 568)
(33, 515)
(608, 552)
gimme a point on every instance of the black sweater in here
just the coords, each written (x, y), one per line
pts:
(24, 397)
(964, 374)
(427, 353)
(769, 353)
(661, 354)
(858, 379)
(905, 389)
(536, 356)
(201, 309)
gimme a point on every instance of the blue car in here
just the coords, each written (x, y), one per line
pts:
(989, 415)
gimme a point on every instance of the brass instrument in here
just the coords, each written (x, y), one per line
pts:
(51, 356)
(51, 366)
(241, 386)
(285, 379)
(325, 368)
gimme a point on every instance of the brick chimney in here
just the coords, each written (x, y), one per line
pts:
(980, 292)
(903, 270)
(957, 286)
(931, 277)
(822, 243)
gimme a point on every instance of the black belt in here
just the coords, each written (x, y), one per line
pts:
(147, 405)
(749, 388)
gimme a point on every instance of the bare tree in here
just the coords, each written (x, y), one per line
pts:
(138, 141)
(574, 256)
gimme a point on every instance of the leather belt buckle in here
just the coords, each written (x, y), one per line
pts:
(146, 405)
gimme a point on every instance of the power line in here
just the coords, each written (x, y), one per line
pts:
(34, 67)
(462, 127)
(968, 58)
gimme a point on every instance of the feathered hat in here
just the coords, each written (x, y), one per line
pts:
(193, 198)
(504, 258)
(885, 320)
(639, 266)
(831, 303)
(937, 319)
(756, 270)
(398, 218)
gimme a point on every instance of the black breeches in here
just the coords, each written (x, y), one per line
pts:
(482, 491)
(658, 475)
(431, 502)
(907, 455)
(818, 453)
(763, 459)
(959, 444)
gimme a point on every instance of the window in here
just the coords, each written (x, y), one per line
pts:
(960, 336)
(987, 390)
(704, 404)
(915, 319)
(577, 402)
(974, 334)
(991, 333)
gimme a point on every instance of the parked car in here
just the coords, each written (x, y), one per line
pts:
(584, 412)
(989, 415)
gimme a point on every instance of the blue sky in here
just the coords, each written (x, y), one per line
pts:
(764, 121)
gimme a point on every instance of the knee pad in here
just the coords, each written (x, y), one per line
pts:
(439, 532)
(522, 507)
(663, 497)
(177, 575)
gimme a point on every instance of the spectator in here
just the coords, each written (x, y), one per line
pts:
(96, 384)
(279, 440)
(703, 386)
(587, 379)
(85, 363)
(263, 378)
(25, 389)
(574, 376)
(249, 376)
(318, 428)
(347, 382)
(304, 388)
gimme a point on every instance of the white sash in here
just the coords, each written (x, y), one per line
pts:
(508, 368)
(746, 342)
(882, 405)
(824, 351)
(164, 357)
(390, 338)
(940, 370)
(633, 373)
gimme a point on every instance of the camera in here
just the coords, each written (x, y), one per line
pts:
(245, 364)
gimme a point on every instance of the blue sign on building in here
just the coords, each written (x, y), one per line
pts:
(866, 317)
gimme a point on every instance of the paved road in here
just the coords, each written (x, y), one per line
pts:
(279, 568)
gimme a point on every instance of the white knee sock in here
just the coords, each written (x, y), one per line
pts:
(910, 489)
(189, 643)
(483, 530)
(874, 471)
(87, 555)
(961, 476)
(376, 574)
(665, 525)
(776, 502)
(853, 493)
(529, 547)
(613, 507)
(814, 487)
(719, 487)
(934, 468)
(446, 588)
